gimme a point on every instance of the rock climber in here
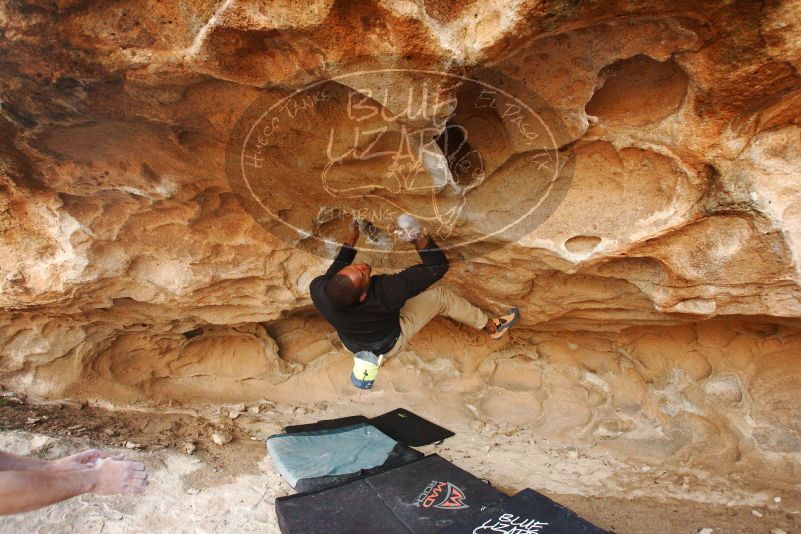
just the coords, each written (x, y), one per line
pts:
(30, 483)
(376, 316)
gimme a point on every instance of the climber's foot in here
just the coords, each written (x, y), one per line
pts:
(498, 326)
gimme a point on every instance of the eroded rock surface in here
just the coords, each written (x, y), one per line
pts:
(661, 297)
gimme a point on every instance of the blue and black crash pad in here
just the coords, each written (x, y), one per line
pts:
(359, 476)
(316, 459)
(528, 512)
(421, 497)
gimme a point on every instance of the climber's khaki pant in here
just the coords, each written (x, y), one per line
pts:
(438, 300)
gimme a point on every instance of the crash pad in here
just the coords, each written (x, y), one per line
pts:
(399, 424)
(420, 497)
(313, 460)
(528, 512)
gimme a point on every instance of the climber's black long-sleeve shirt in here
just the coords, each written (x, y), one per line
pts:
(374, 324)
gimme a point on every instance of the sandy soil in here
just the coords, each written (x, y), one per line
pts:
(232, 488)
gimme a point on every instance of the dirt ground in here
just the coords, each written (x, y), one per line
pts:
(232, 488)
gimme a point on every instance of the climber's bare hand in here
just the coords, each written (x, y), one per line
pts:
(119, 476)
(81, 460)
(353, 232)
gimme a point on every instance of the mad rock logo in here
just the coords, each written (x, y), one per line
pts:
(476, 156)
(443, 495)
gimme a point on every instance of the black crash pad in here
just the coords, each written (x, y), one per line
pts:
(353, 508)
(421, 497)
(409, 428)
(328, 424)
(400, 424)
(432, 493)
(528, 512)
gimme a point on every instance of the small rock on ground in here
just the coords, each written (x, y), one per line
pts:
(221, 437)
